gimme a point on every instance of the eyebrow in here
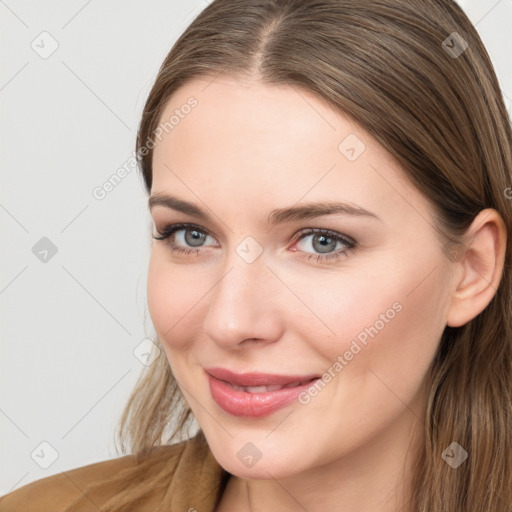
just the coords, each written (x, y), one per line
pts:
(276, 216)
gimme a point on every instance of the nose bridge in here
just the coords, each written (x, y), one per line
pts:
(245, 273)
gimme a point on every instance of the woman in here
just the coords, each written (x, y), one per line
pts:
(329, 281)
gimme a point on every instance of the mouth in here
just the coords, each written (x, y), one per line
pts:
(257, 379)
(255, 394)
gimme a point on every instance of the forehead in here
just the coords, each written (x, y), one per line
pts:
(278, 144)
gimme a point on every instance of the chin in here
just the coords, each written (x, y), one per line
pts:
(257, 460)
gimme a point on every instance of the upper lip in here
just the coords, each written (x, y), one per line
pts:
(257, 379)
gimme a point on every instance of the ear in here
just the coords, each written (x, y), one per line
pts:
(481, 267)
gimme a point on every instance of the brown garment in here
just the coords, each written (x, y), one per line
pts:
(183, 477)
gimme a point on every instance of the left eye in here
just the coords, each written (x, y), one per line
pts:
(326, 241)
(323, 240)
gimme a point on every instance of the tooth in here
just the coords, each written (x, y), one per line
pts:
(256, 389)
(274, 387)
(263, 389)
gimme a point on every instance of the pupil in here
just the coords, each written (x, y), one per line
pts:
(195, 236)
(325, 242)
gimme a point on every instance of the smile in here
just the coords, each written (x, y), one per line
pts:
(267, 394)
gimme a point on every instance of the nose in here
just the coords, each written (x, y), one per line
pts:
(245, 305)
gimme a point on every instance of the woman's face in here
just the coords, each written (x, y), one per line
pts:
(254, 294)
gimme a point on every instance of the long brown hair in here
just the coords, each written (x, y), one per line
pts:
(401, 68)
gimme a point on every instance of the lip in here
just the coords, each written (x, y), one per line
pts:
(244, 403)
(256, 378)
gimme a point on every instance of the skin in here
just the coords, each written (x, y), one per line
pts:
(249, 148)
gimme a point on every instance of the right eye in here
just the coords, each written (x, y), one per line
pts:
(197, 234)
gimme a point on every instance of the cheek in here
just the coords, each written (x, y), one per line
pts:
(389, 323)
(344, 308)
(172, 294)
(390, 332)
(412, 339)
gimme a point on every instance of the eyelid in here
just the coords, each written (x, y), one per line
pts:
(297, 236)
(302, 231)
(335, 234)
(171, 228)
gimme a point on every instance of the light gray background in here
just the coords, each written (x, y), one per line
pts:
(69, 325)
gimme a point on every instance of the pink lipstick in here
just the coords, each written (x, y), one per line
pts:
(255, 394)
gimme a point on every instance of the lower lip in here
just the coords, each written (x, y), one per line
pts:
(243, 403)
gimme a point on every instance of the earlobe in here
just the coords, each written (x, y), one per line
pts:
(481, 267)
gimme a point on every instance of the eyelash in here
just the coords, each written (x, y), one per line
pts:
(351, 244)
